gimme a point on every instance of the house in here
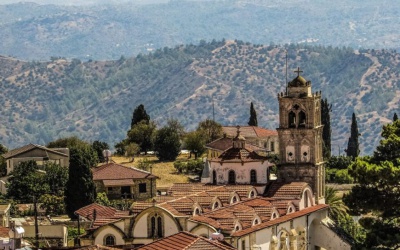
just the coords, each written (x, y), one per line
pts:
(119, 181)
(239, 163)
(265, 138)
(37, 153)
(238, 200)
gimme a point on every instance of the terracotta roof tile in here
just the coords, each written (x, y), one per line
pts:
(184, 240)
(281, 219)
(282, 190)
(101, 212)
(26, 148)
(249, 131)
(113, 171)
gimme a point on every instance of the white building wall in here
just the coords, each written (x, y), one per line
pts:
(242, 171)
(103, 232)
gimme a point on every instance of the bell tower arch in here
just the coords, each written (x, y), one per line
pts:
(300, 136)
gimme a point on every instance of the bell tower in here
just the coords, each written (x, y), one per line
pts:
(300, 136)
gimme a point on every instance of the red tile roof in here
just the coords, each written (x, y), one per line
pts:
(26, 148)
(113, 171)
(104, 214)
(281, 219)
(186, 241)
(249, 131)
(283, 190)
(226, 143)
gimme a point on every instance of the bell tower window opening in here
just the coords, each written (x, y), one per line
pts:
(292, 119)
(302, 119)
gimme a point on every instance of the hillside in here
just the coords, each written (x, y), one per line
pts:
(102, 32)
(94, 100)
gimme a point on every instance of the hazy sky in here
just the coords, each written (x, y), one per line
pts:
(80, 2)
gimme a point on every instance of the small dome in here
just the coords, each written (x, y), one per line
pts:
(299, 81)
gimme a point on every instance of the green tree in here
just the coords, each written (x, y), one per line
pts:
(167, 144)
(52, 204)
(195, 142)
(3, 163)
(210, 129)
(99, 146)
(353, 144)
(395, 117)
(253, 116)
(102, 199)
(326, 109)
(131, 150)
(80, 189)
(26, 182)
(377, 192)
(337, 209)
(142, 134)
(56, 177)
(67, 142)
(139, 114)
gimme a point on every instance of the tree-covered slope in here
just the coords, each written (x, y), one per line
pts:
(37, 32)
(94, 100)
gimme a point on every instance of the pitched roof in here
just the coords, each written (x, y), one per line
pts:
(281, 219)
(284, 190)
(242, 154)
(26, 148)
(113, 171)
(104, 214)
(249, 131)
(225, 143)
(186, 241)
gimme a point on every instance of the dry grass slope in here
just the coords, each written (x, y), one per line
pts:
(164, 170)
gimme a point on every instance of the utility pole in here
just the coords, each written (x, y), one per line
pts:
(36, 223)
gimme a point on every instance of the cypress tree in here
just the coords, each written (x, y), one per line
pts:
(80, 188)
(395, 118)
(353, 145)
(326, 108)
(253, 116)
(139, 114)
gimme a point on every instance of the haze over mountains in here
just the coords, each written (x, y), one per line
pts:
(93, 95)
(107, 31)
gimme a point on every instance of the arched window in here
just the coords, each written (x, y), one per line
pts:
(253, 176)
(156, 226)
(214, 177)
(292, 119)
(231, 177)
(196, 211)
(109, 240)
(302, 119)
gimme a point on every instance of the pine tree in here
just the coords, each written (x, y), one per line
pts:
(326, 108)
(395, 118)
(139, 114)
(253, 116)
(353, 145)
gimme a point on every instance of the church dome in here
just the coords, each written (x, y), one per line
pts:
(299, 81)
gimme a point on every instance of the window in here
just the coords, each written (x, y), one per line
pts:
(253, 176)
(214, 177)
(156, 226)
(231, 177)
(272, 147)
(142, 188)
(109, 240)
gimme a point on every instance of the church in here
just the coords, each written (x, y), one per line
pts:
(237, 198)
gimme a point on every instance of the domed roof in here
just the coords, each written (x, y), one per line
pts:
(299, 81)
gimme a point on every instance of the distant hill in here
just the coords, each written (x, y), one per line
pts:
(31, 31)
(42, 101)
